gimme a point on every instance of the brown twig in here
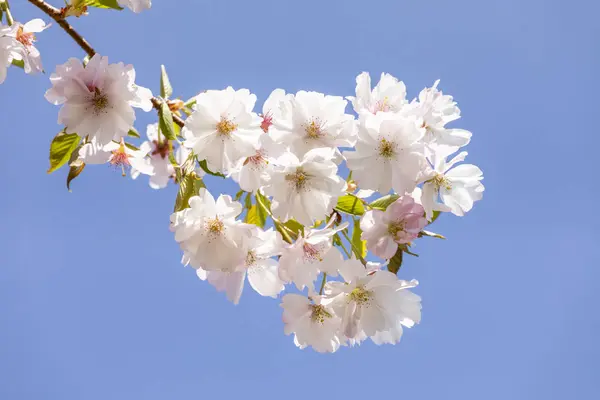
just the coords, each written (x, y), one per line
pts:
(58, 15)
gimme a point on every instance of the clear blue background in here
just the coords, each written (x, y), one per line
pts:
(94, 303)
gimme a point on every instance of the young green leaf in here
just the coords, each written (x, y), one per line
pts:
(18, 63)
(165, 122)
(189, 186)
(74, 172)
(61, 148)
(382, 203)
(204, 167)
(435, 216)
(133, 133)
(256, 216)
(396, 261)
(357, 241)
(350, 205)
(166, 90)
(112, 4)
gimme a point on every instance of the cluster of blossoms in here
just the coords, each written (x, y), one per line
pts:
(337, 241)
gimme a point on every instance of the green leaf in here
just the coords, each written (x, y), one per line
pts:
(61, 148)
(190, 103)
(430, 234)
(165, 121)
(18, 63)
(294, 226)
(74, 172)
(256, 216)
(435, 216)
(189, 186)
(358, 243)
(382, 203)
(350, 205)
(134, 133)
(204, 167)
(166, 90)
(396, 261)
(248, 201)
(103, 4)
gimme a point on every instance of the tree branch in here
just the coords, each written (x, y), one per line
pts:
(57, 15)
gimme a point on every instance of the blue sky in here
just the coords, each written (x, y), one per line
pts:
(94, 303)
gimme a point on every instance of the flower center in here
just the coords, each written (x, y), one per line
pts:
(383, 105)
(26, 39)
(314, 129)
(215, 226)
(361, 296)
(395, 227)
(251, 258)
(266, 122)
(319, 313)
(99, 100)
(387, 149)
(312, 253)
(120, 158)
(225, 127)
(441, 181)
(299, 179)
(161, 148)
(256, 159)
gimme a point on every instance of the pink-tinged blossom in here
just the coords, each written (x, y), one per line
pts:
(302, 261)
(400, 223)
(24, 34)
(98, 99)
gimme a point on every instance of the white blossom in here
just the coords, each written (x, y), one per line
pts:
(373, 303)
(259, 266)
(313, 253)
(253, 172)
(388, 153)
(8, 48)
(223, 129)
(158, 159)
(25, 36)
(136, 6)
(388, 96)
(307, 189)
(314, 120)
(458, 188)
(97, 99)
(209, 234)
(437, 109)
(312, 323)
(277, 107)
(118, 155)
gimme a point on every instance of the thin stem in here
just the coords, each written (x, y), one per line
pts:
(282, 228)
(323, 283)
(6, 8)
(59, 17)
(345, 249)
(356, 251)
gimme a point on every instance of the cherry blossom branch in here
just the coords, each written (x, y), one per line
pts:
(356, 251)
(58, 16)
(323, 281)
(276, 221)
